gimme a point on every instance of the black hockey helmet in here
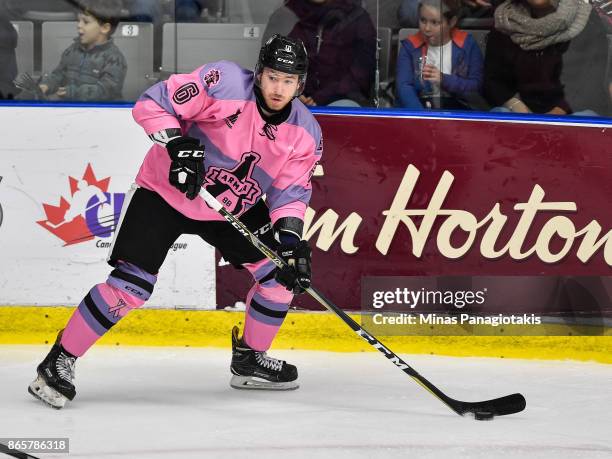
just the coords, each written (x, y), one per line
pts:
(286, 55)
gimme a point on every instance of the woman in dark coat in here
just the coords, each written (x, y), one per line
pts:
(526, 56)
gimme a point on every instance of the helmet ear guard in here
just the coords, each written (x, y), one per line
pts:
(285, 55)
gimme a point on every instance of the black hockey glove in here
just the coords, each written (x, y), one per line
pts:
(187, 168)
(295, 276)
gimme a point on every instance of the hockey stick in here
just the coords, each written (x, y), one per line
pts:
(15, 453)
(481, 410)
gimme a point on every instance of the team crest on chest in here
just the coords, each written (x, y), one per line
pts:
(212, 77)
(235, 188)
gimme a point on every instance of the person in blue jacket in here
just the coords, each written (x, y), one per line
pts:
(440, 66)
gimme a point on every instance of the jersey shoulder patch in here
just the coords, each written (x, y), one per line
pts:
(211, 78)
(226, 80)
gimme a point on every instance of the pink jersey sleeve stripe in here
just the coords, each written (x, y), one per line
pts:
(152, 117)
(279, 198)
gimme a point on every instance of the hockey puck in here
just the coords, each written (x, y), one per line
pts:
(483, 415)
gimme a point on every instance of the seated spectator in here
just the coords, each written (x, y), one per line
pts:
(524, 57)
(8, 69)
(92, 68)
(440, 66)
(341, 43)
(584, 69)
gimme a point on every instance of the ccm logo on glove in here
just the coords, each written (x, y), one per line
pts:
(191, 154)
(187, 167)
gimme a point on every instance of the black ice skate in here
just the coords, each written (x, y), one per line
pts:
(252, 369)
(53, 385)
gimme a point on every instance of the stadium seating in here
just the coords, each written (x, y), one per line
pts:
(188, 46)
(25, 46)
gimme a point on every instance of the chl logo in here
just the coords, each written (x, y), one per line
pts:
(235, 188)
(89, 211)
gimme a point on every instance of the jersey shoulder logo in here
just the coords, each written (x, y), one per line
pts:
(235, 188)
(212, 77)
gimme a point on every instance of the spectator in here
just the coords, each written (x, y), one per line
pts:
(8, 43)
(584, 69)
(440, 66)
(341, 43)
(92, 68)
(524, 57)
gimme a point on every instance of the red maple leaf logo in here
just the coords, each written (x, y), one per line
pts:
(73, 230)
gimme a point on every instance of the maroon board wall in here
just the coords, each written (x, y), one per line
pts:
(370, 162)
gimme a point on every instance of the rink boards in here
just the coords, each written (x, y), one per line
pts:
(50, 155)
(301, 330)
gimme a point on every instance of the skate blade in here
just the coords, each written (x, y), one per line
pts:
(253, 383)
(46, 394)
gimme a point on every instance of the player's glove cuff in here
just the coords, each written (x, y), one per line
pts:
(295, 276)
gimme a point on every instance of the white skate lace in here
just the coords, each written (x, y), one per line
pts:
(268, 362)
(65, 367)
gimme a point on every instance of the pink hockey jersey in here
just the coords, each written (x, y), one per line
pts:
(245, 158)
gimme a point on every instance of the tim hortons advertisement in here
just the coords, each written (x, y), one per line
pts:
(486, 217)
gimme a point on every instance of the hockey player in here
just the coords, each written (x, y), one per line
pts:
(242, 135)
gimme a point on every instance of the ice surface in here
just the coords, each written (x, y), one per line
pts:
(176, 403)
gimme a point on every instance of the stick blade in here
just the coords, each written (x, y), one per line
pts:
(509, 404)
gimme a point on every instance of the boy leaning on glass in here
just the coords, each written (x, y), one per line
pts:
(92, 68)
